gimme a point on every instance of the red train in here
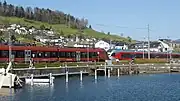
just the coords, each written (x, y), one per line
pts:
(52, 54)
(125, 55)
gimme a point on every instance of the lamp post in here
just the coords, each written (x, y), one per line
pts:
(148, 44)
(10, 51)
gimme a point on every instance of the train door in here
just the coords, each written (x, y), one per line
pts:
(27, 55)
(78, 56)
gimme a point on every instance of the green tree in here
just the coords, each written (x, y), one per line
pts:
(42, 27)
(108, 33)
(13, 38)
(129, 39)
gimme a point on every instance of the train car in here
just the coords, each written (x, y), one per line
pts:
(139, 55)
(52, 54)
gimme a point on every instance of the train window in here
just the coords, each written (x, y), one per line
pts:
(68, 54)
(83, 54)
(47, 54)
(153, 55)
(95, 54)
(33, 54)
(62, 54)
(127, 56)
(146, 55)
(113, 54)
(139, 55)
(4, 54)
(0, 54)
(53, 54)
(40, 54)
(14, 53)
(19, 54)
(91, 55)
(73, 54)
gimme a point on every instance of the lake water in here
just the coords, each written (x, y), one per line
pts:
(152, 87)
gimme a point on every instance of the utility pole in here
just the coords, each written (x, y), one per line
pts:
(148, 44)
(10, 51)
(143, 46)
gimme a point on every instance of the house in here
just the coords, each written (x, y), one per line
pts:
(155, 46)
(102, 44)
(121, 46)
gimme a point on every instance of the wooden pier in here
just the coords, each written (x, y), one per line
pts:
(113, 70)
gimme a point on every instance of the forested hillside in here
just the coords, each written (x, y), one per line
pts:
(41, 14)
(63, 24)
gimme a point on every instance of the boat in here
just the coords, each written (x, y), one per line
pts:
(8, 79)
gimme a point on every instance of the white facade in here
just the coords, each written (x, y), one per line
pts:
(124, 47)
(80, 45)
(166, 47)
(102, 44)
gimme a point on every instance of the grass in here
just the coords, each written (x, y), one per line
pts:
(143, 61)
(62, 64)
(54, 64)
(59, 28)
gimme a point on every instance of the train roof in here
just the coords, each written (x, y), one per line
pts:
(119, 50)
(140, 52)
(50, 48)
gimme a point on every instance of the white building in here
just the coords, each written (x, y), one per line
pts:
(156, 46)
(102, 44)
(121, 46)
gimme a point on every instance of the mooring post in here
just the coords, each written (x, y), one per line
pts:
(31, 79)
(118, 72)
(105, 70)
(66, 76)
(81, 75)
(109, 73)
(10, 84)
(95, 74)
(50, 78)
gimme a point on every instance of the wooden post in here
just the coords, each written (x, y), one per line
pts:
(31, 79)
(50, 78)
(118, 72)
(81, 75)
(95, 74)
(105, 72)
(109, 73)
(66, 76)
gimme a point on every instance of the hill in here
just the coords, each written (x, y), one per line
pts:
(40, 18)
(61, 29)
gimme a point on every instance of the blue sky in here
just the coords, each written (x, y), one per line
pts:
(163, 16)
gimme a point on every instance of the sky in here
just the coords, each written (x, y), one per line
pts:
(121, 17)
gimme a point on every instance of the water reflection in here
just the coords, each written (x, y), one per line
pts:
(67, 88)
(95, 81)
(7, 92)
(51, 87)
(31, 91)
(81, 84)
(162, 87)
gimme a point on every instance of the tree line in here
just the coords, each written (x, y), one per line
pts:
(42, 14)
